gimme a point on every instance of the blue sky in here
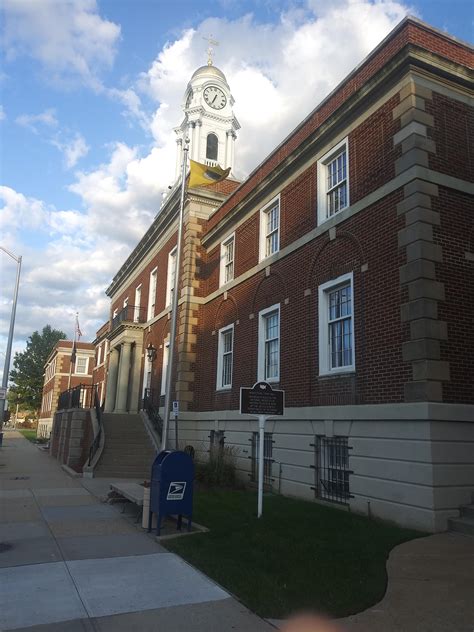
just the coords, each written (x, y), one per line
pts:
(90, 92)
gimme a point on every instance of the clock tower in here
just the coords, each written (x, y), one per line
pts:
(209, 121)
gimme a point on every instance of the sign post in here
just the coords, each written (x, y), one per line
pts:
(262, 402)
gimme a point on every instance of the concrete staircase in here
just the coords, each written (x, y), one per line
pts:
(128, 450)
(465, 523)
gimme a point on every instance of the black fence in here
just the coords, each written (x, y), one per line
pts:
(81, 396)
(151, 404)
(96, 441)
(332, 469)
(129, 314)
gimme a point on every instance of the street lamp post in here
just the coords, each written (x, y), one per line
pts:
(6, 369)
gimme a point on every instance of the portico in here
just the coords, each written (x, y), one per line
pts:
(125, 363)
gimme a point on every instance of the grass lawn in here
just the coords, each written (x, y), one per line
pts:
(29, 434)
(299, 555)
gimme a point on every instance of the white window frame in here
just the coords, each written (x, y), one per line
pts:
(322, 187)
(99, 354)
(223, 263)
(114, 313)
(220, 358)
(264, 211)
(164, 366)
(152, 293)
(261, 343)
(138, 300)
(86, 371)
(169, 290)
(125, 302)
(324, 353)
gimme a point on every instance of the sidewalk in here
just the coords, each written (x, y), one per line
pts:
(69, 562)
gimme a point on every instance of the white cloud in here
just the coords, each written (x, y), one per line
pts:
(31, 121)
(73, 150)
(70, 40)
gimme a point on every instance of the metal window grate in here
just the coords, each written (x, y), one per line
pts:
(267, 458)
(332, 469)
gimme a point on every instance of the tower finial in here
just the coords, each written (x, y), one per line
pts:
(211, 42)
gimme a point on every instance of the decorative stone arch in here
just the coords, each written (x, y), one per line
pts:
(312, 301)
(226, 303)
(267, 279)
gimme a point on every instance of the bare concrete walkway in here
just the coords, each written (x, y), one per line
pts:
(69, 562)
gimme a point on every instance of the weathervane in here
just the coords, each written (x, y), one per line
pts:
(211, 42)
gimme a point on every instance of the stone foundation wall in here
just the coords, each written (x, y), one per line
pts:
(71, 437)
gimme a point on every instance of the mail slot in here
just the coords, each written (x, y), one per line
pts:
(171, 488)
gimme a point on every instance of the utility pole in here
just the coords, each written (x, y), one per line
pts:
(8, 353)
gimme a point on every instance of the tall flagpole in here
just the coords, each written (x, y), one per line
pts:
(174, 308)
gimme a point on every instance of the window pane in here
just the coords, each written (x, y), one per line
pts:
(271, 326)
(211, 147)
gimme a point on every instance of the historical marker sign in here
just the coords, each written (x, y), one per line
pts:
(261, 399)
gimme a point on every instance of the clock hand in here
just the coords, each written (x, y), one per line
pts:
(214, 99)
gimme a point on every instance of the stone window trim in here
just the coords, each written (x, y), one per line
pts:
(83, 371)
(171, 276)
(266, 344)
(325, 323)
(227, 263)
(270, 228)
(333, 196)
(225, 358)
(164, 366)
(152, 293)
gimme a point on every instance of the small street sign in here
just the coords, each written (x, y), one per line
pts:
(3, 393)
(261, 399)
(175, 409)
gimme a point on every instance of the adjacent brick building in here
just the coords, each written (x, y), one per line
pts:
(342, 271)
(60, 375)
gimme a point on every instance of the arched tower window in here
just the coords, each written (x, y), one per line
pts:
(211, 147)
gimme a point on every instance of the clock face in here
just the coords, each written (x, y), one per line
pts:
(214, 97)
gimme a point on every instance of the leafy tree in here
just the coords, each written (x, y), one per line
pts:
(28, 371)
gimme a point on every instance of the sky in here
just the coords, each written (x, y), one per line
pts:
(90, 93)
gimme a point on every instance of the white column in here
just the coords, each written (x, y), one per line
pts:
(123, 378)
(232, 149)
(195, 155)
(111, 381)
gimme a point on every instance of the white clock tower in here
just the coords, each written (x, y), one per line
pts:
(209, 121)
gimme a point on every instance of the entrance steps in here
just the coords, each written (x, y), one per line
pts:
(465, 523)
(128, 450)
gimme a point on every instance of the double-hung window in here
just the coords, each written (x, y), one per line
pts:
(225, 355)
(270, 229)
(336, 326)
(333, 181)
(269, 344)
(138, 300)
(170, 287)
(227, 260)
(152, 293)
(81, 365)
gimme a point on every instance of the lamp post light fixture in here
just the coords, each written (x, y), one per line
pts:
(6, 369)
(151, 353)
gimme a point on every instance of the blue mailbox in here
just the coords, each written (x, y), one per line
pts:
(171, 488)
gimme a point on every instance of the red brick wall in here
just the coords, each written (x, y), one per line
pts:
(409, 33)
(160, 261)
(453, 133)
(380, 372)
(298, 207)
(456, 235)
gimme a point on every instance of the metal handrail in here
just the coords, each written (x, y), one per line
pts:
(79, 396)
(152, 410)
(96, 442)
(129, 314)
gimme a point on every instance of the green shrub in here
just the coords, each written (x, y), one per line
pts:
(219, 469)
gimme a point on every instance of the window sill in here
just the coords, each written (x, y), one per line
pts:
(323, 220)
(342, 373)
(224, 389)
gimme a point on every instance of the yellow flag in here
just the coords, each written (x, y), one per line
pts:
(202, 175)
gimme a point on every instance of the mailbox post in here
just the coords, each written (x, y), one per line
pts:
(262, 402)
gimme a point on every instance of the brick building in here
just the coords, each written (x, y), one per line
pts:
(59, 376)
(342, 271)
